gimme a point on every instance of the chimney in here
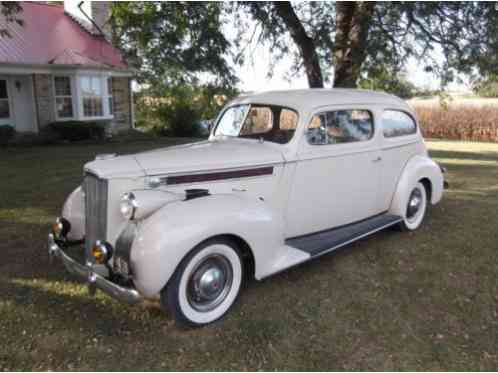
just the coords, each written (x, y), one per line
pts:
(101, 13)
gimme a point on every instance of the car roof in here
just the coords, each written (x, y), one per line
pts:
(309, 99)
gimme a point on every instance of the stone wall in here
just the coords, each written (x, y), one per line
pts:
(44, 99)
(122, 104)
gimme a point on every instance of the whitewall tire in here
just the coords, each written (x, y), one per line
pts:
(416, 207)
(206, 283)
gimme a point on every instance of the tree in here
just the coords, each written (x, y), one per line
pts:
(9, 10)
(362, 35)
(179, 42)
(353, 21)
(173, 42)
(389, 81)
(486, 87)
(305, 44)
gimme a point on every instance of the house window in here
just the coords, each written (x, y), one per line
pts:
(63, 97)
(110, 100)
(92, 96)
(4, 100)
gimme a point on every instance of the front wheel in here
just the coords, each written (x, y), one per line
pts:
(206, 283)
(415, 209)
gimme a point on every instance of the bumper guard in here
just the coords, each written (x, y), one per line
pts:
(94, 280)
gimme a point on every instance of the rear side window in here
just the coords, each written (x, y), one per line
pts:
(341, 126)
(397, 123)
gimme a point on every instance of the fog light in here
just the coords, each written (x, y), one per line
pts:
(101, 252)
(61, 228)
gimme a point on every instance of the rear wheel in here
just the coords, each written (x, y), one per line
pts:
(415, 209)
(206, 283)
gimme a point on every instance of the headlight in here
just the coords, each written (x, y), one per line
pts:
(128, 205)
(61, 228)
(101, 252)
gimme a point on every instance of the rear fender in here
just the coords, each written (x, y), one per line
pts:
(168, 235)
(417, 168)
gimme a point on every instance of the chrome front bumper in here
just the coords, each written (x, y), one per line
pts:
(94, 280)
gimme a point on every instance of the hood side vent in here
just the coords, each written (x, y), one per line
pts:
(195, 193)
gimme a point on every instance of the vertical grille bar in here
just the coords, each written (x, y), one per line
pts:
(95, 210)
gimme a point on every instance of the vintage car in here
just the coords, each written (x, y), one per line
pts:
(284, 178)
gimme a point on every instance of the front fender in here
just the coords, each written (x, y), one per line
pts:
(74, 211)
(417, 168)
(170, 233)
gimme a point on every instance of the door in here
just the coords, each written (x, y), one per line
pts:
(22, 103)
(400, 141)
(5, 107)
(337, 173)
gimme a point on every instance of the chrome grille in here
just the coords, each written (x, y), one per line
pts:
(95, 210)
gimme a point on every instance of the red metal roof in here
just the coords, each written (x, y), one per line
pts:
(51, 36)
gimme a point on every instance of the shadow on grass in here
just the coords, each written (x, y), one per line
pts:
(73, 309)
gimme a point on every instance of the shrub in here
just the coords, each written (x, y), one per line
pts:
(179, 111)
(179, 118)
(487, 89)
(77, 130)
(7, 132)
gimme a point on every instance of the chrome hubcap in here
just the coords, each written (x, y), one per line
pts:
(414, 204)
(209, 283)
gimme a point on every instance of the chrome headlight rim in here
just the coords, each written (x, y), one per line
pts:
(61, 228)
(128, 205)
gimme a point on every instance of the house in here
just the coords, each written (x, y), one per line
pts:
(58, 67)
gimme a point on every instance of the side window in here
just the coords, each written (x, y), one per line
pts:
(397, 123)
(259, 120)
(288, 120)
(342, 126)
(317, 130)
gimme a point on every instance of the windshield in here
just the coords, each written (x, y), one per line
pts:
(268, 122)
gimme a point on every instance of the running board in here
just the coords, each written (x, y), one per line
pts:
(323, 242)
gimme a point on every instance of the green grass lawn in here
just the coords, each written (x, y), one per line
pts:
(395, 301)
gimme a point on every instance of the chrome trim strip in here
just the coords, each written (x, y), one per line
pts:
(235, 168)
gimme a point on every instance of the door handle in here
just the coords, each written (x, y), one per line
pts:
(378, 159)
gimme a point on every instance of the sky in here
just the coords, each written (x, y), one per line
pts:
(253, 76)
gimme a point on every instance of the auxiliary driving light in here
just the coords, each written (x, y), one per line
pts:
(101, 252)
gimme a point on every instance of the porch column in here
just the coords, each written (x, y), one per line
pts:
(44, 99)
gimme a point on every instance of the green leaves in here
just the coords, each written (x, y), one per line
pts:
(9, 11)
(174, 42)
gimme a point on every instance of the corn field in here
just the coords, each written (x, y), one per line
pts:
(467, 123)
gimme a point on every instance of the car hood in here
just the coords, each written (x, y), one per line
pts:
(200, 156)
(209, 155)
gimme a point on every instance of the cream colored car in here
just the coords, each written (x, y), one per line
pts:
(284, 178)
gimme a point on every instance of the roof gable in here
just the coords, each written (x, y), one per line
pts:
(51, 36)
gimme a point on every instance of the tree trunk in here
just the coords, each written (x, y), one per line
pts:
(305, 44)
(353, 21)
